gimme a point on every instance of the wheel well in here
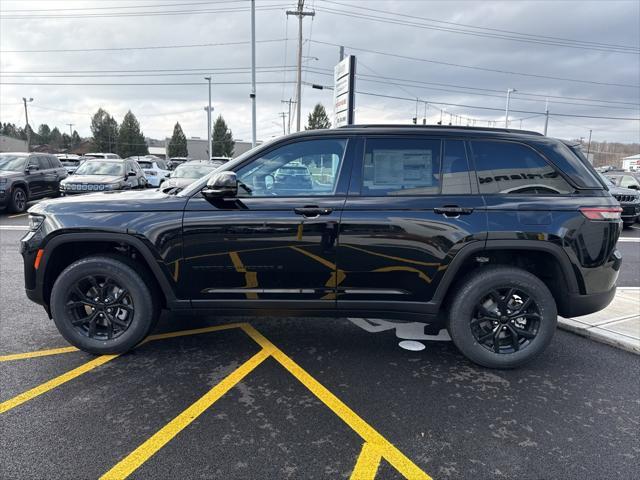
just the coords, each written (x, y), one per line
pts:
(542, 264)
(21, 185)
(67, 253)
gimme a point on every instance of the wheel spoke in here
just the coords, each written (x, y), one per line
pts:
(524, 333)
(496, 341)
(79, 303)
(486, 312)
(533, 316)
(475, 321)
(83, 320)
(121, 295)
(93, 325)
(515, 339)
(83, 297)
(118, 322)
(124, 306)
(486, 336)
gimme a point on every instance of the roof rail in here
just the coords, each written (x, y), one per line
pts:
(443, 127)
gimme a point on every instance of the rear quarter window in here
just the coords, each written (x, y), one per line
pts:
(514, 168)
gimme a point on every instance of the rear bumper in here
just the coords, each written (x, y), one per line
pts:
(577, 305)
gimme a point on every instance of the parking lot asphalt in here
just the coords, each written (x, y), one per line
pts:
(304, 398)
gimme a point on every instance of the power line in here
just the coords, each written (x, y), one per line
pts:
(142, 14)
(501, 31)
(493, 70)
(387, 20)
(136, 84)
(102, 75)
(149, 47)
(122, 6)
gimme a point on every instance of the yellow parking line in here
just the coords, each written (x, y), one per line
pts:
(391, 257)
(54, 382)
(250, 278)
(387, 450)
(18, 215)
(37, 353)
(367, 464)
(147, 449)
(402, 268)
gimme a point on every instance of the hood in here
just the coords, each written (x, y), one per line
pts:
(615, 190)
(104, 179)
(10, 174)
(105, 202)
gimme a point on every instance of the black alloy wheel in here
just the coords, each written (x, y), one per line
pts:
(99, 307)
(19, 200)
(505, 320)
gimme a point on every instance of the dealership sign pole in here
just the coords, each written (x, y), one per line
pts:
(344, 89)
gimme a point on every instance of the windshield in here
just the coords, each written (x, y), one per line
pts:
(69, 162)
(194, 171)
(607, 181)
(144, 164)
(12, 163)
(100, 168)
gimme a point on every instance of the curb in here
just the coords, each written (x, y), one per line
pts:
(613, 339)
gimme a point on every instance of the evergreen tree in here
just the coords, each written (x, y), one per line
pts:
(55, 138)
(178, 143)
(130, 137)
(105, 131)
(66, 141)
(44, 133)
(75, 139)
(318, 119)
(222, 139)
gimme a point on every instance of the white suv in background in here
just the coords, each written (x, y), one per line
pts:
(155, 169)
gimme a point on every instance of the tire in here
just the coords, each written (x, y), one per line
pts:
(628, 224)
(128, 314)
(18, 200)
(475, 327)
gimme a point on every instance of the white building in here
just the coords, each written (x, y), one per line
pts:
(631, 163)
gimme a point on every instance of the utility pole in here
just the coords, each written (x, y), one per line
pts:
(341, 53)
(300, 13)
(589, 144)
(208, 109)
(546, 116)
(26, 116)
(253, 73)
(289, 102)
(284, 128)
(70, 128)
(506, 110)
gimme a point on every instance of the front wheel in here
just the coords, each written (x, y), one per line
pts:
(502, 317)
(18, 202)
(102, 305)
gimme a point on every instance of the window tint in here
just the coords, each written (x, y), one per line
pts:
(455, 177)
(55, 162)
(401, 166)
(304, 168)
(505, 167)
(43, 162)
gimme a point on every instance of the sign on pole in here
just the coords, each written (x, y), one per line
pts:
(344, 89)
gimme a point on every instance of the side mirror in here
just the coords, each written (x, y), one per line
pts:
(31, 168)
(221, 185)
(130, 174)
(634, 187)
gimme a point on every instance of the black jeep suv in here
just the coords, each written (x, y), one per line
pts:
(490, 233)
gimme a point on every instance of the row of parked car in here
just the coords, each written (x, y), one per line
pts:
(625, 187)
(31, 176)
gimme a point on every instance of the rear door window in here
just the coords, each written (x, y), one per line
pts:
(514, 168)
(401, 166)
(455, 178)
(43, 163)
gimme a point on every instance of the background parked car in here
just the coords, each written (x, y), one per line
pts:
(28, 176)
(175, 161)
(628, 198)
(101, 155)
(625, 179)
(70, 161)
(188, 172)
(98, 175)
(155, 169)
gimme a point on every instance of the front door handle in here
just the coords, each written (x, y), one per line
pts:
(453, 210)
(312, 211)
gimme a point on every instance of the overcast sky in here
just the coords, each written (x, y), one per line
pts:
(593, 57)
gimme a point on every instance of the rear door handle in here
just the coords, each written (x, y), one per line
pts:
(453, 210)
(312, 211)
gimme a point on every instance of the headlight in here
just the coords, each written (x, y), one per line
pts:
(35, 221)
(113, 186)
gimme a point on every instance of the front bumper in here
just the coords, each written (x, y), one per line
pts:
(630, 211)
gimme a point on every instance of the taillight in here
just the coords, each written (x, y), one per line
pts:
(602, 213)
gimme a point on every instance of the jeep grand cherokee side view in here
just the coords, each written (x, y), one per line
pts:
(490, 233)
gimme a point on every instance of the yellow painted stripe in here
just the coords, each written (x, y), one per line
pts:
(402, 268)
(146, 450)
(391, 257)
(250, 278)
(367, 464)
(37, 353)
(54, 382)
(18, 215)
(321, 260)
(386, 449)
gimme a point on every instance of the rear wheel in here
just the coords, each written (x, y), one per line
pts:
(502, 317)
(18, 202)
(101, 305)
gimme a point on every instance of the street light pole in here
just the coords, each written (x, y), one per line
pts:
(300, 13)
(70, 128)
(208, 109)
(506, 110)
(26, 116)
(253, 73)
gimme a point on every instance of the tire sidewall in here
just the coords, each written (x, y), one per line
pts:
(472, 291)
(126, 278)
